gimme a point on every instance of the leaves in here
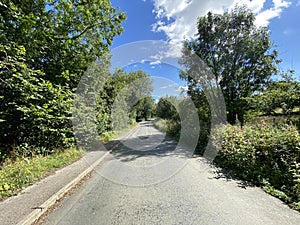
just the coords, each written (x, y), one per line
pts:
(235, 52)
(34, 110)
(283, 94)
(166, 108)
(263, 152)
(45, 47)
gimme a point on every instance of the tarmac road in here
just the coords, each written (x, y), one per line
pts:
(145, 182)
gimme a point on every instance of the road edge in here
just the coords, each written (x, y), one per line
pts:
(36, 214)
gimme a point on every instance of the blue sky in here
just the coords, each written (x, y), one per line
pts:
(172, 20)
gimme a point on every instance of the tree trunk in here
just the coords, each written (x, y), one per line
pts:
(241, 118)
(231, 117)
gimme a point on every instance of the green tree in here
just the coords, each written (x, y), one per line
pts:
(145, 108)
(283, 94)
(33, 110)
(122, 99)
(236, 52)
(45, 47)
(166, 108)
(61, 37)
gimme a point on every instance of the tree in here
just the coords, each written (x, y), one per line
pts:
(123, 99)
(61, 37)
(283, 94)
(145, 108)
(45, 47)
(236, 52)
(166, 108)
(33, 111)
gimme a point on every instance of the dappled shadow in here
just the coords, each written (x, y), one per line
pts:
(220, 173)
(146, 157)
(166, 148)
(151, 144)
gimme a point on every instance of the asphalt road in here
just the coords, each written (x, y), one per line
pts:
(147, 181)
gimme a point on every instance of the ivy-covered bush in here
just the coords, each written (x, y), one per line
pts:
(263, 154)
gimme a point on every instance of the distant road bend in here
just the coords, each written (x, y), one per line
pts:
(143, 182)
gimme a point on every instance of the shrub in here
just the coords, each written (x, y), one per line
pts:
(264, 154)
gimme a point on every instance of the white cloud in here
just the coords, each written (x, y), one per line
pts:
(298, 3)
(263, 16)
(155, 62)
(178, 18)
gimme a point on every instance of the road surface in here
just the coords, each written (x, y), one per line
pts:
(144, 182)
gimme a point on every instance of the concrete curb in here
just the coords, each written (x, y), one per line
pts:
(32, 217)
(35, 215)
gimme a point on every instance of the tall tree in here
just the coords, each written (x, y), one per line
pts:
(45, 47)
(117, 102)
(236, 52)
(61, 37)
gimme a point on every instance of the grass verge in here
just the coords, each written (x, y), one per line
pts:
(17, 175)
(160, 124)
(110, 135)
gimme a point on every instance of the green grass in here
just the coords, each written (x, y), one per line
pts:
(19, 174)
(110, 135)
(161, 125)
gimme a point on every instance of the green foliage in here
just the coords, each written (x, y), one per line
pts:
(276, 95)
(17, 175)
(124, 99)
(85, 113)
(107, 136)
(108, 102)
(110, 135)
(167, 111)
(199, 98)
(45, 47)
(60, 36)
(235, 52)
(144, 109)
(264, 154)
(160, 124)
(169, 127)
(279, 194)
(34, 111)
(166, 108)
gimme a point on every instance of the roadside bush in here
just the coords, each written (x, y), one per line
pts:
(278, 120)
(265, 155)
(33, 110)
(174, 129)
(204, 135)
(160, 124)
(170, 127)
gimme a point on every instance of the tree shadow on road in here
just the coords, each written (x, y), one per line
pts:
(141, 146)
(220, 173)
